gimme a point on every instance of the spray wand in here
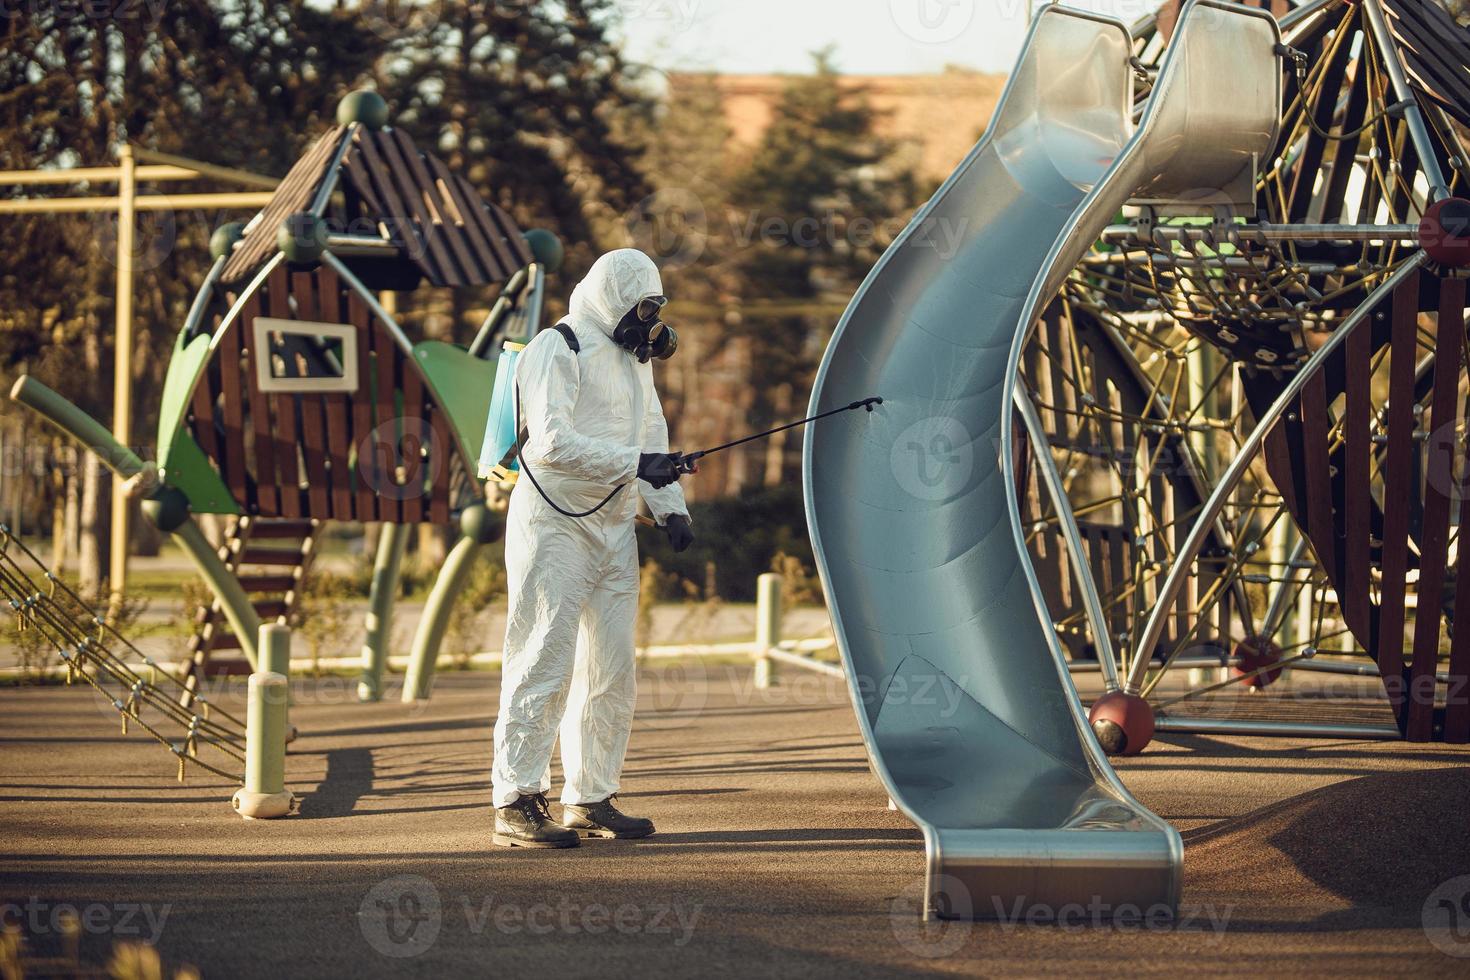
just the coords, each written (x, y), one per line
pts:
(687, 462)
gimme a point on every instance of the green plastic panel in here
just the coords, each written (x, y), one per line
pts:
(462, 384)
(192, 472)
(184, 368)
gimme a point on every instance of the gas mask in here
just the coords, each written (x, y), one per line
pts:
(643, 334)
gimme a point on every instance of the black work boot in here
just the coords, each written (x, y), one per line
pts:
(602, 819)
(527, 823)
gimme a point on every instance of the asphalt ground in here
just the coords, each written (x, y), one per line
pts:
(776, 853)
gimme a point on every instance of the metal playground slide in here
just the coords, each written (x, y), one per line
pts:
(962, 695)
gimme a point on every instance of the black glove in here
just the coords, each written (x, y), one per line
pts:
(676, 526)
(659, 469)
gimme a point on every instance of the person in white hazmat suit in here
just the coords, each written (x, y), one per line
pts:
(590, 420)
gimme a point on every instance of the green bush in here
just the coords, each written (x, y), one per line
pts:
(740, 536)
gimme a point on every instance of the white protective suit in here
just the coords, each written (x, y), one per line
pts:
(573, 582)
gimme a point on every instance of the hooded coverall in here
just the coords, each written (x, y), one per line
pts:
(573, 582)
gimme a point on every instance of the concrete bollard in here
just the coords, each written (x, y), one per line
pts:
(265, 795)
(275, 649)
(767, 626)
(274, 644)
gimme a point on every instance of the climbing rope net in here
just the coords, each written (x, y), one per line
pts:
(92, 651)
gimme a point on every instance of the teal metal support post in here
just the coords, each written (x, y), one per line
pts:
(386, 569)
(430, 634)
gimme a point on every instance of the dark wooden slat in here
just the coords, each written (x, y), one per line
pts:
(1315, 424)
(268, 583)
(507, 245)
(232, 412)
(385, 420)
(290, 557)
(279, 530)
(1434, 542)
(441, 456)
(1457, 710)
(435, 259)
(416, 428)
(461, 269)
(313, 422)
(1403, 204)
(293, 194)
(1304, 180)
(453, 192)
(379, 183)
(510, 234)
(337, 404)
(233, 667)
(1358, 490)
(366, 504)
(285, 409)
(271, 609)
(1344, 150)
(1443, 80)
(1396, 490)
(267, 496)
(203, 406)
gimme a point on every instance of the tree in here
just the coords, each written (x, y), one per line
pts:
(816, 207)
(245, 85)
(512, 92)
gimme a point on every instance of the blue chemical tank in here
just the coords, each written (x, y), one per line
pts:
(500, 435)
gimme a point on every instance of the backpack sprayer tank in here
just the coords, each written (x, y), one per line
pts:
(500, 432)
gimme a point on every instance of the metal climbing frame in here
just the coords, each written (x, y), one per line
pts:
(1251, 417)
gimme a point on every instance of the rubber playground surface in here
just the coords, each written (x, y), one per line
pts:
(776, 853)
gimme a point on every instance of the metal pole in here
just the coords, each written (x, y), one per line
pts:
(430, 634)
(264, 795)
(122, 376)
(1169, 591)
(275, 649)
(1284, 729)
(1091, 601)
(392, 541)
(767, 626)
